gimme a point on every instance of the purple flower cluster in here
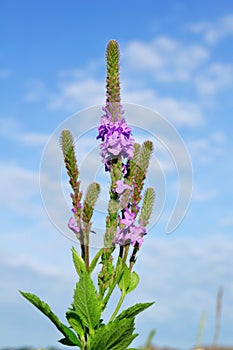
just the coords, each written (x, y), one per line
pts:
(129, 232)
(115, 136)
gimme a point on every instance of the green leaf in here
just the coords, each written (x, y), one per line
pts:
(66, 341)
(86, 303)
(134, 310)
(124, 282)
(75, 322)
(79, 263)
(45, 309)
(116, 335)
(95, 260)
(134, 280)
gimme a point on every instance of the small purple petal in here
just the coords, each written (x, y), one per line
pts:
(72, 224)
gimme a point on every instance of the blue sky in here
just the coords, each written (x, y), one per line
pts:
(176, 59)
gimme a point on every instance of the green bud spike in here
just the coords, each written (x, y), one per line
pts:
(112, 78)
(145, 154)
(67, 145)
(147, 206)
(91, 197)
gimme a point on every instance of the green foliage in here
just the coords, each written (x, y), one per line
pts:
(128, 281)
(45, 309)
(95, 260)
(76, 323)
(79, 263)
(86, 302)
(116, 335)
(134, 310)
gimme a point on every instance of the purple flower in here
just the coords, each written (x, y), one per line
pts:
(120, 236)
(72, 224)
(128, 218)
(133, 235)
(136, 234)
(115, 136)
(121, 187)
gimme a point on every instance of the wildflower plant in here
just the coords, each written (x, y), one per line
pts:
(128, 214)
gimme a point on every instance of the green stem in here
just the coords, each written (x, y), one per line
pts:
(112, 287)
(118, 306)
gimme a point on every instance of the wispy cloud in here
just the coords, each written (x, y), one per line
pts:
(215, 78)
(165, 58)
(181, 112)
(77, 93)
(12, 130)
(207, 149)
(22, 186)
(214, 31)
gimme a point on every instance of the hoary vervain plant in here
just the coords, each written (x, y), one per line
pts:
(127, 217)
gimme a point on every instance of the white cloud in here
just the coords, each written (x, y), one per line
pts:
(78, 93)
(11, 129)
(19, 189)
(215, 78)
(180, 112)
(214, 31)
(207, 149)
(166, 59)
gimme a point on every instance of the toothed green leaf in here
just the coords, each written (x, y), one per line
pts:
(134, 310)
(45, 309)
(117, 335)
(85, 302)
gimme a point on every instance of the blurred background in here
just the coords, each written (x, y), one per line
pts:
(176, 58)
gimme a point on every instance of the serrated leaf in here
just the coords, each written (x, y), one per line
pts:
(86, 303)
(45, 309)
(134, 310)
(79, 263)
(134, 280)
(75, 322)
(116, 335)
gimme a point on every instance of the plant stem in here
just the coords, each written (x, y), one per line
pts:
(112, 287)
(118, 306)
(125, 254)
(133, 257)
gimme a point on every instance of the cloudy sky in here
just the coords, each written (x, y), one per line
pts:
(176, 66)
